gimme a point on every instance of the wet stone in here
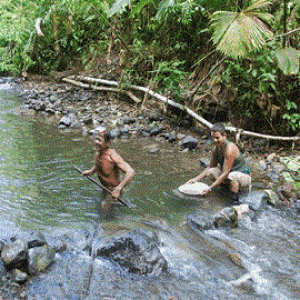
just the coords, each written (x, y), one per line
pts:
(115, 133)
(156, 131)
(15, 254)
(129, 120)
(19, 276)
(255, 199)
(137, 251)
(189, 142)
(40, 258)
(36, 239)
(227, 217)
(144, 133)
(199, 221)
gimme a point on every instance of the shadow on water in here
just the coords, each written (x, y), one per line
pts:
(41, 190)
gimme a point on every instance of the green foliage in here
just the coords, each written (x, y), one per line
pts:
(292, 115)
(170, 77)
(67, 27)
(288, 60)
(254, 84)
(161, 42)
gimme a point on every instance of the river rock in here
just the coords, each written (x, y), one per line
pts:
(143, 133)
(40, 258)
(115, 133)
(19, 276)
(189, 142)
(227, 217)
(137, 251)
(15, 254)
(245, 282)
(69, 120)
(67, 279)
(199, 221)
(156, 130)
(272, 197)
(3, 270)
(65, 121)
(255, 199)
(169, 136)
(153, 116)
(87, 118)
(36, 239)
(129, 120)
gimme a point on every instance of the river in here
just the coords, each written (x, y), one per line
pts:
(41, 190)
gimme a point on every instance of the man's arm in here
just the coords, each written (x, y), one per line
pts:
(92, 170)
(124, 167)
(212, 164)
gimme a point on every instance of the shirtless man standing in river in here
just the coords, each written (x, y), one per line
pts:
(228, 166)
(108, 166)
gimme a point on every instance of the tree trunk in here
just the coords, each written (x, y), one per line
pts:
(284, 23)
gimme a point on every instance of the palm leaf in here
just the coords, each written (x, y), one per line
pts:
(164, 6)
(288, 60)
(118, 6)
(257, 6)
(236, 34)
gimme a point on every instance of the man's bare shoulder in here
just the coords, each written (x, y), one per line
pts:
(115, 156)
(232, 149)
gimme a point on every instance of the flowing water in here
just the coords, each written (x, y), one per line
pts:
(41, 190)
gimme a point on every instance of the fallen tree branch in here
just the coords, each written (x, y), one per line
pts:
(171, 103)
(102, 88)
(37, 26)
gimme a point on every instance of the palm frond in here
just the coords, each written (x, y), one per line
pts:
(288, 60)
(257, 6)
(118, 6)
(164, 5)
(236, 34)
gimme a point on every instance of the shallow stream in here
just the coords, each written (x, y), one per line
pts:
(41, 190)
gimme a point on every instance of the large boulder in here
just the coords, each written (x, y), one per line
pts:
(137, 251)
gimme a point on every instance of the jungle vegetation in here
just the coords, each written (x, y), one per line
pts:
(233, 60)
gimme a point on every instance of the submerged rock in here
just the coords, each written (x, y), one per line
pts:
(245, 282)
(137, 251)
(199, 221)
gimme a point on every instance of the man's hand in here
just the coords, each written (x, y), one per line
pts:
(205, 192)
(116, 193)
(87, 173)
(192, 180)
